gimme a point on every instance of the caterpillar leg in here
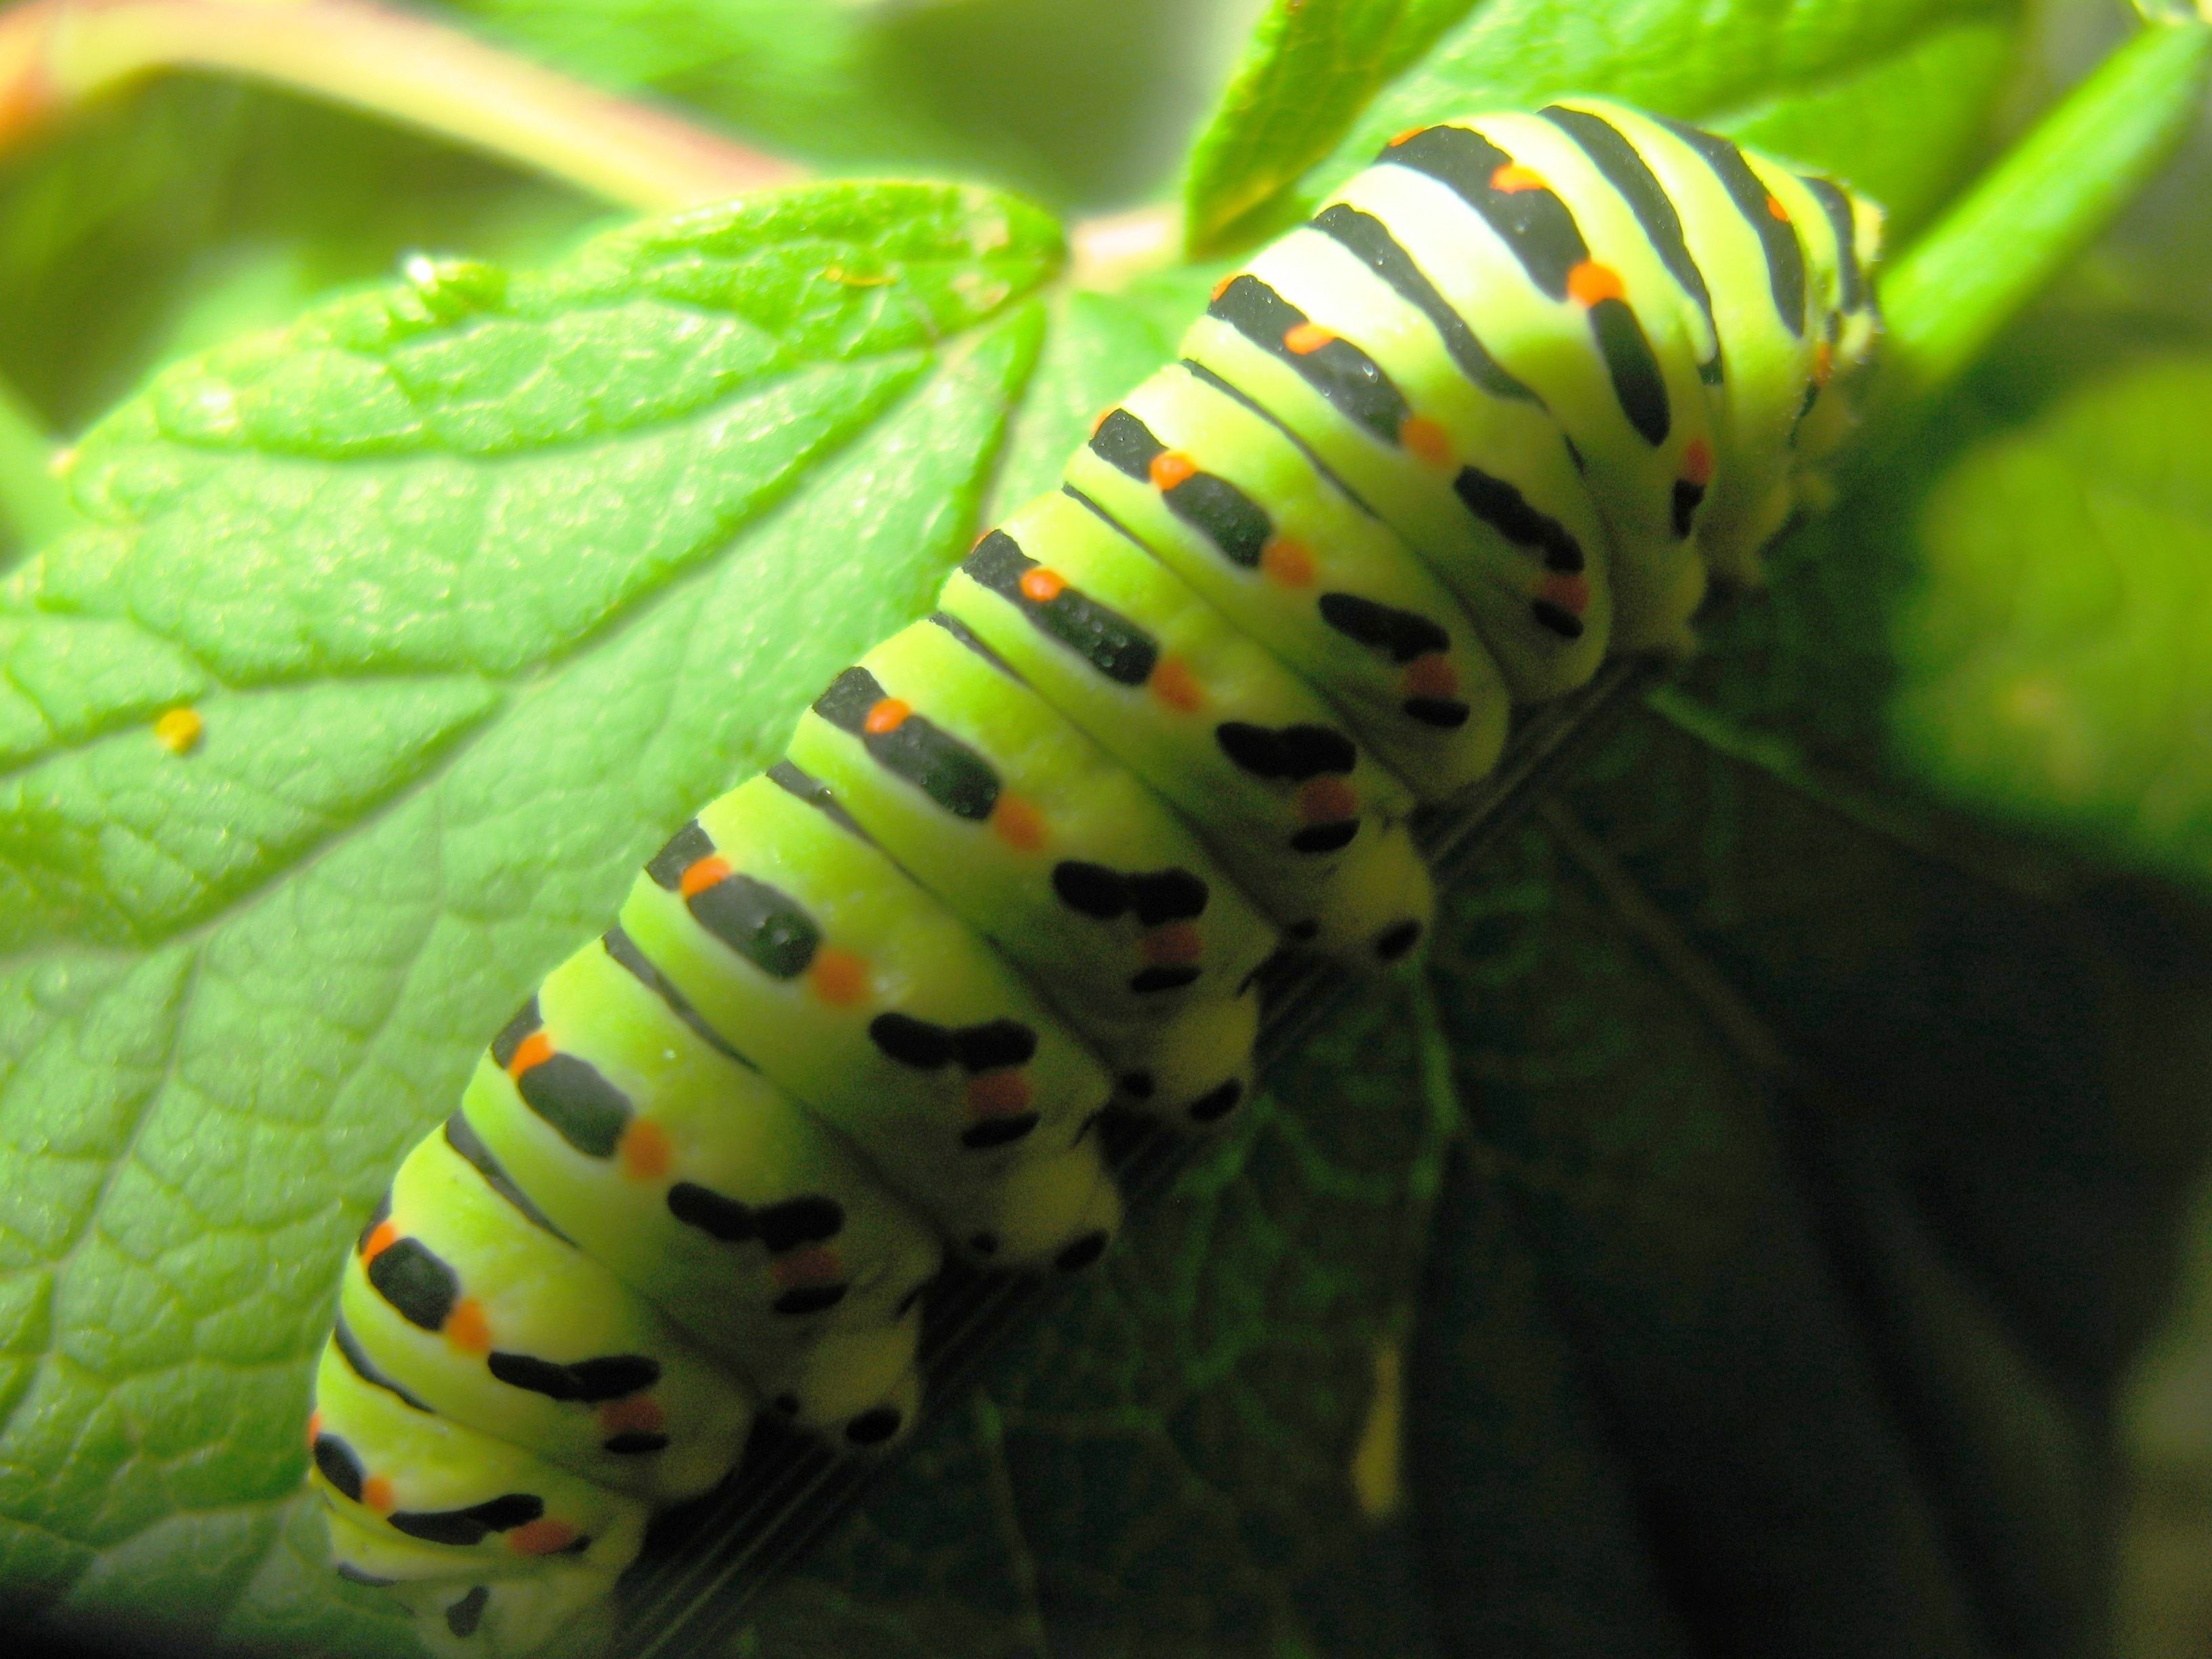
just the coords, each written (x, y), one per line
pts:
(1378, 910)
(860, 1389)
(455, 1500)
(555, 1609)
(1195, 1070)
(1063, 1210)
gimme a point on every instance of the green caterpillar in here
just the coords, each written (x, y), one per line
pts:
(1497, 410)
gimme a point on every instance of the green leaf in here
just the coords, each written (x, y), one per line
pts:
(1893, 94)
(2052, 670)
(478, 585)
(1309, 67)
(1167, 1463)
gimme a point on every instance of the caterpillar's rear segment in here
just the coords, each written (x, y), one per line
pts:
(1500, 406)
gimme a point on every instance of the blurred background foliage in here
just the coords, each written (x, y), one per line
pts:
(1945, 663)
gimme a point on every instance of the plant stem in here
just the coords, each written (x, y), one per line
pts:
(56, 54)
(2042, 205)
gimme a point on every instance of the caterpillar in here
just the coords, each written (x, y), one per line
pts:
(1506, 404)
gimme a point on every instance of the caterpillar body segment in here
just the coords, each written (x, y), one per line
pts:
(1271, 777)
(824, 965)
(500, 1323)
(1528, 557)
(1243, 513)
(1504, 403)
(1066, 861)
(546, 1605)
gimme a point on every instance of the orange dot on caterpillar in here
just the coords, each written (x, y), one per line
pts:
(698, 876)
(1175, 943)
(537, 1049)
(1169, 468)
(1019, 824)
(467, 1328)
(634, 1415)
(543, 1536)
(997, 1094)
(1589, 282)
(1286, 560)
(839, 977)
(1432, 676)
(1327, 800)
(645, 1151)
(1173, 685)
(1426, 439)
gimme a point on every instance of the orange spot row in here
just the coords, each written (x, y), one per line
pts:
(1306, 338)
(1824, 363)
(1174, 944)
(1284, 559)
(1427, 440)
(1589, 282)
(1512, 179)
(646, 1150)
(536, 1048)
(1327, 800)
(997, 1094)
(1019, 824)
(382, 1238)
(314, 1427)
(1173, 685)
(467, 1328)
(1410, 132)
(1774, 206)
(1222, 287)
(1432, 676)
(886, 717)
(1171, 467)
(839, 977)
(1040, 585)
(1698, 462)
(376, 1494)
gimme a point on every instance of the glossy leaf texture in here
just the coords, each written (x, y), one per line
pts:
(476, 585)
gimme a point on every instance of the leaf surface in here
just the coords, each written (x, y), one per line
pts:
(478, 585)
(1891, 95)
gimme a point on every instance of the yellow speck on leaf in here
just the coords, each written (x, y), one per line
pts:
(179, 731)
(1376, 1480)
(854, 279)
